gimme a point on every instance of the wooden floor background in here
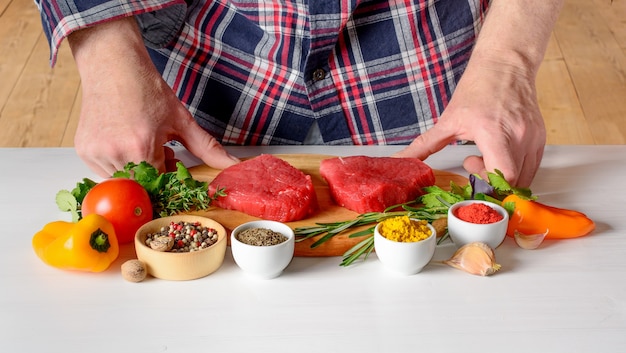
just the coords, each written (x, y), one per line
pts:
(581, 84)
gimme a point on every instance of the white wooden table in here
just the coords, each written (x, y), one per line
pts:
(566, 296)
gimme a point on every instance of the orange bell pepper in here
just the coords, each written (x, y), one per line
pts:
(89, 245)
(532, 217)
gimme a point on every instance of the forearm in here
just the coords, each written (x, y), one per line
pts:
(159, 19)
(515, 35)
(112, 50)
(125, 102)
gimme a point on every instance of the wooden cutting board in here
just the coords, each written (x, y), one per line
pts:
(329, 211)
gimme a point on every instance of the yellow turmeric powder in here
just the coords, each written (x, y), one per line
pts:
(404, 229)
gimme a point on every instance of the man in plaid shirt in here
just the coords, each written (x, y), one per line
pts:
(245, 72)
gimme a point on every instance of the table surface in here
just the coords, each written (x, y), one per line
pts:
(566, 296)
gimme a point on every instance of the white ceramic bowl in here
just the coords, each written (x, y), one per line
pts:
(263, 261)
(181, 266)
(407, 258)
(462, 232)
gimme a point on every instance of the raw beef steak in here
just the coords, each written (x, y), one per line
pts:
(371, 184)
(266, 187)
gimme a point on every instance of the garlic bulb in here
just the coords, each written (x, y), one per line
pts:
(529, 241)
(475, 258)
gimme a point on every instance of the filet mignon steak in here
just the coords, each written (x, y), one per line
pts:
(371, 184)
(266, 187)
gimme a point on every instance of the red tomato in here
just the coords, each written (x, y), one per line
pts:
(123, 202)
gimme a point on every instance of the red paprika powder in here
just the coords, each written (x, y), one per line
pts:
(478, 213)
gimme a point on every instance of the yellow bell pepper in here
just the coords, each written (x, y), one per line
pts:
(89, 245)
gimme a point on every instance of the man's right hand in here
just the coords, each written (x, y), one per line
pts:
(128, 111)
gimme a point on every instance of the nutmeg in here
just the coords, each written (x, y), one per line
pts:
(134, 271)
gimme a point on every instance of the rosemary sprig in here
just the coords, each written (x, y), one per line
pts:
(363, 248)
(334, 228)
(366, 246)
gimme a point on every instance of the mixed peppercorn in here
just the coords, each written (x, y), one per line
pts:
(182, 237)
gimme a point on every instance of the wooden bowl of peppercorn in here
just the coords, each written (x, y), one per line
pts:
(181, 247)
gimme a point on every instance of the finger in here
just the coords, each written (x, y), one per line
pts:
(529, 169)
(170, 159)
(204, 146)
(498, 153)
(475, 165)
(428, 143)
(499, 156)
(103, 169)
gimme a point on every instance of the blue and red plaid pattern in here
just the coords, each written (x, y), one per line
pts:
(262, 72)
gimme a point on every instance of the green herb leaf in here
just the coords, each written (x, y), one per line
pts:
(524, 193)
(464, 192)
(125, 174)
(70, 201)
(143, 173)
(485, 197)
(498, 182)
(503, 188)
(509, 207)
(67, 203)
(434, 195)
(82, 188)
(182, 173)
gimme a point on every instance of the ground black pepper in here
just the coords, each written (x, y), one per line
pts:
(260, 237)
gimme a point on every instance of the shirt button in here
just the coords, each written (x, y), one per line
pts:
(318, 75)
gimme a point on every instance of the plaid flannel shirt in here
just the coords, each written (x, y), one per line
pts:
(262, 72)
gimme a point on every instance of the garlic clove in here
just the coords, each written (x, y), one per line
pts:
(476, 258)
(529, 241)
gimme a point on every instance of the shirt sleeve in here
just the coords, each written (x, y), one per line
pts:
(159, 20)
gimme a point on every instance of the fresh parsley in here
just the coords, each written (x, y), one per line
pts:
(170, 193)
